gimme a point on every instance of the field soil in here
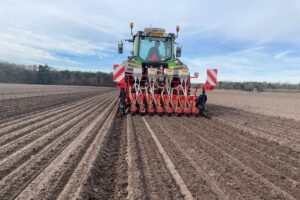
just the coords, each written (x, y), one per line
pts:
(277, 104)
(74, 145)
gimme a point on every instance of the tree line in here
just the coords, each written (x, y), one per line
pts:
(257, 86)
(43, 74)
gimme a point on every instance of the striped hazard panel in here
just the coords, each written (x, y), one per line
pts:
(119, 73)
(211, 79)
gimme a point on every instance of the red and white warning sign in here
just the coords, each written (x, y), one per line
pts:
(211, 79)
(119, 73)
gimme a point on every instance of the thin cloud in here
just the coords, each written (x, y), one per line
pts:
(254, 64)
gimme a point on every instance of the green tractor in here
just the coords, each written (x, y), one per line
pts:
(154, 80)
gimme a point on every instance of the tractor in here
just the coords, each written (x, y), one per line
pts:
(153, 80)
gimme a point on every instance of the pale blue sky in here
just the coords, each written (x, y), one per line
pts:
(255, 40)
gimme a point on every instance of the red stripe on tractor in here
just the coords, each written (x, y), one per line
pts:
(216, 71)
(115, 66)
(121, 83)
(211, 77)
(122, 69)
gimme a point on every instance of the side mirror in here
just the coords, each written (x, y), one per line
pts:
(120, 47)
(178, 51)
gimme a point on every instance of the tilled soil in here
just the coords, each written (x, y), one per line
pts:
(286, 105)
(82, 149)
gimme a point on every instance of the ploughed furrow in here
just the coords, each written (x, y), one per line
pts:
(19, 120)
(24, 106)
(45, 90)
(281, 140)
(267, 148)
(20, 142)
(15, 182)
(274, 125)
(28, 104)
(52, 180)
(290, 135)
(157, 180)
(135, 180)
(9, 163)
(38, 117)
(281, 174)
(170, 165)
(17, 136)
(103, 170)
(196, 176)
(270, 153)
(236, 172)
(262, 130)
(276, 121)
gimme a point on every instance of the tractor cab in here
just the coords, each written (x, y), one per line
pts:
(150, 46)
(153, 47)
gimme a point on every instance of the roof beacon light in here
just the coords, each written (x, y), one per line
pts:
(131, 24)
(131, 27)
(177, 29)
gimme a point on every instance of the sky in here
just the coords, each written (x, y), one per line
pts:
(245, 40)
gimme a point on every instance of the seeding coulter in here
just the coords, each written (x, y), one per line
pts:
(154, 80)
